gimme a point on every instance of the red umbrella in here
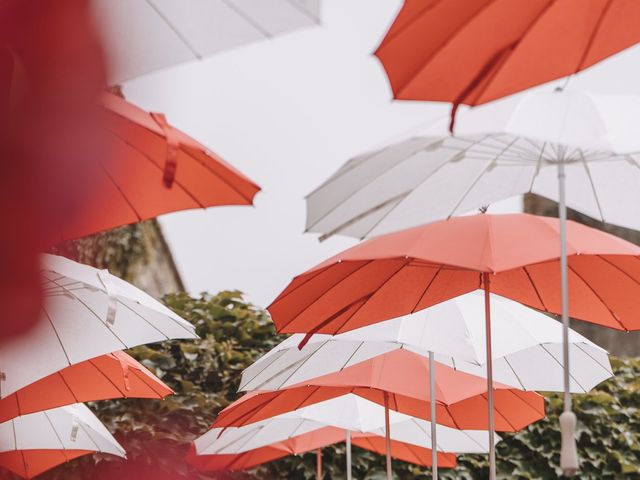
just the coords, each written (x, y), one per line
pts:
(314, 440)
(394, 379)
(516, 256)
(31, 463)
(154, 169)
(115, 375)
(474, 51)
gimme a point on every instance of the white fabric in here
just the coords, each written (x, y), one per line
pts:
(348, 412)
(75, 326)
(527, 347)
(54, 430)
(141, 36)
(430, 178)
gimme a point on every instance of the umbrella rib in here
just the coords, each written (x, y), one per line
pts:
(295, 369)
(594, 33)
(512, 48)
(150, 383)
(377, 177)
(66, 384)
(126, 199)
(606, 260)
(449, 39)
(615, 317)
(304, 11)
(412, 449)
(247, 18)
(55, 432)
(160, 168)
(151, 323)
(82, 426)
(604, 367)
(591, 184)
(538, 166)
(525, 399)
(497, 410)
(243, 383)
(175, 30)
(64, 350)
(535, 289)
(515, 373)
(414, 19)
(584, 390)
(426, 289)
(422, 182)
(373, 294)
(99, 319)
(107, 378)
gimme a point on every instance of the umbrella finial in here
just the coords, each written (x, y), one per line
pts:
(568, 452)
(483, 209)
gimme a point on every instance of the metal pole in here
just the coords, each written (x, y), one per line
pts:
(319, 464)
(432, 405)
(349, 455)
(568, 454)
(487, 318)
(387, 434)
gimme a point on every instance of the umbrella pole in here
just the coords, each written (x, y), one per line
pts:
(432, 406)
(319, 464)
(349, 455)
(568, 453)
(387, 435)
(487, 317)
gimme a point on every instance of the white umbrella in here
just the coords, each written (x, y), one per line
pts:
(569, 146)
(526, 347)
(86, 313)
(73, 427)
(349, 412)
(141, 36)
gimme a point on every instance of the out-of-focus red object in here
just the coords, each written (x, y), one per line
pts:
(311, 441)
(460, 397)
(51, 76)
(474, 51)
(154, 169)
(31, 463)
(115, 375)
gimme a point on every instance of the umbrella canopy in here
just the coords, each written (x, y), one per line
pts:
(146, 156)
(83, 303)
(31, 463)
(441, 50)
(398, 378)
(388, 189)
(404, 272)
(143, 36)
(307, 442)
(114, 375)
(72, 427)
(348, 412)
(526, 346)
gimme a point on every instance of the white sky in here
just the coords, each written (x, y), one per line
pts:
(288, 113)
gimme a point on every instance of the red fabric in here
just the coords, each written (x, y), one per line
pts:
(400, 273)
(116, 375)
(146, 155)
(312, 441)
(30, 463)
(51, 75)
(461, 397)
(475, 51)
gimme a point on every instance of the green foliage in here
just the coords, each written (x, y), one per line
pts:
(205, 374)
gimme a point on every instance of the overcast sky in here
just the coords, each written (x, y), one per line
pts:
(288, 112)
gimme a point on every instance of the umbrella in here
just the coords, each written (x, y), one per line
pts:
(526, 346)
(146, 156)
(316, 440)
(87, 312)
(407, 271)
(461, 398)
(440, 50)
(73, 429)
(31, 463)
(143, 36)
(114, 375)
